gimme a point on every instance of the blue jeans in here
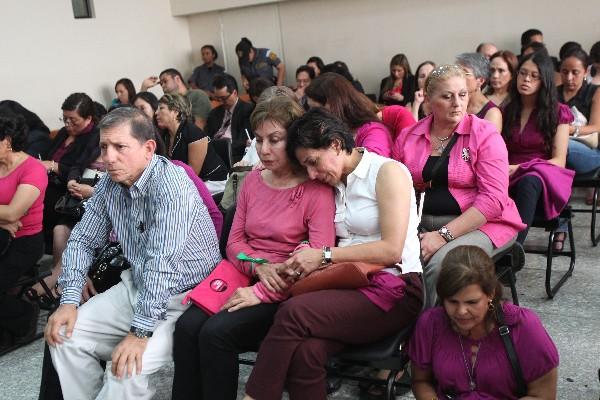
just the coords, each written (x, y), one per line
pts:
(581, 158)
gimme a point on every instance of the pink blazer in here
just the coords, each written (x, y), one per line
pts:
(477, 172)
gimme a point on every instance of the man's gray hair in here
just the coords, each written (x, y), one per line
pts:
(475, 61)
(142, 127)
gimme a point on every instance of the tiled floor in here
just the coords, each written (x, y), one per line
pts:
(572, 318)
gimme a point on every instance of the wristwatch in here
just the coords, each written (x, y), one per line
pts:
(326, 256)
(140, 333)
(446, 234)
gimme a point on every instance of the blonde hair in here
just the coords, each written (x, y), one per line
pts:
(442, 74)
(178, 103)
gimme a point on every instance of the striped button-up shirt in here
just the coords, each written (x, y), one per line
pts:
(164, 229)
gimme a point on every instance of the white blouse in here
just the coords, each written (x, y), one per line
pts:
(357, 213)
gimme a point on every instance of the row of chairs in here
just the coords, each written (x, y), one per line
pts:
(389, 353)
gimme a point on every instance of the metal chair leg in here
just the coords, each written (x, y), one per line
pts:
(551, 290)
(595, 238)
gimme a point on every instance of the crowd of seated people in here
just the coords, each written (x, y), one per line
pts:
(447, 170)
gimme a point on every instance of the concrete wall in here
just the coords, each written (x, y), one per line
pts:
(366, 34)
(47, 54)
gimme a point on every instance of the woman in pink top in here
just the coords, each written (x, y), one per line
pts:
(456, 350)
(333, 92)
(279, 209)
(466, 194)
(23, 182)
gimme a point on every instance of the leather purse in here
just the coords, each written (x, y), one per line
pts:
(346, 275)
(214, 291)
(105, 271)
(5, 240)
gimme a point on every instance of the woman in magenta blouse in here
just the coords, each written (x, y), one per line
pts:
(279, 210)
(466, 197)
(536, 131)
(336, 94)
(456, 350)
(23, 182)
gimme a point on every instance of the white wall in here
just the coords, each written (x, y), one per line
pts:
(47, 54)
(367, 33)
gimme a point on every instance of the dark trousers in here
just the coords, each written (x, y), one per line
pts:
(206, 349)
(527, 196)
(308, 329)
(22, 254)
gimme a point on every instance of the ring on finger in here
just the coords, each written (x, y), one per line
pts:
(298, 273)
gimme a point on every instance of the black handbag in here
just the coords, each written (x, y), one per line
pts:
(72, 206)
(5, 240)
(69, 205)
(105, 271)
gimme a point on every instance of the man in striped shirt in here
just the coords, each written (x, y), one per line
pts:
(167, 236)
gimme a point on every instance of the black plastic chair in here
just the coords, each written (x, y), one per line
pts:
(591, 180)
(223, 149)
(227, 222)
(553, 226)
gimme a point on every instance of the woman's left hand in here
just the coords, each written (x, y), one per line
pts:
(431, 242)
(303, 262)
(242, 297)
(12, 227)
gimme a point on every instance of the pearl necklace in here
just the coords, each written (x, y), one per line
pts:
(470, 372)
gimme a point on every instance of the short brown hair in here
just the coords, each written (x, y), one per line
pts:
(280, 109)
(178, 103)
(464, 266)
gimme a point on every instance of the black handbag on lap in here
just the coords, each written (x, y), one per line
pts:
(105, 271)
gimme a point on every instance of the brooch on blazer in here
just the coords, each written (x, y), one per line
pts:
(465, 154)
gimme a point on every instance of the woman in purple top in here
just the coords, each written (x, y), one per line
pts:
(536, 131)
(456, 350)
(333, 92)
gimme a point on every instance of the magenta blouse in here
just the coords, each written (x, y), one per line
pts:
(435, 346)
(527, 149)
(477, 172)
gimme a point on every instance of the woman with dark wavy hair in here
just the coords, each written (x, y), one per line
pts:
(536, 131)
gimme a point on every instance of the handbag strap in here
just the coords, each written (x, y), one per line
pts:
(510, 351)
(443, 157)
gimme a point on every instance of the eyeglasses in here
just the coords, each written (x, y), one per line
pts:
(534, 76)
(69, 121)
(222, 99)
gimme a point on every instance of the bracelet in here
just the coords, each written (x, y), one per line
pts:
(52, 166)
(252, 272)
(576, 133)
(326, 257)
(446, 234)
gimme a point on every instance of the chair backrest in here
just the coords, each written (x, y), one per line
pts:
(223, 149)
(227, 222)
